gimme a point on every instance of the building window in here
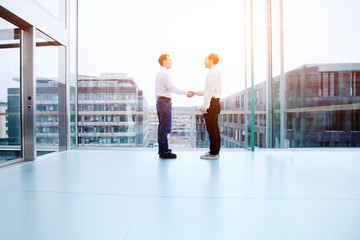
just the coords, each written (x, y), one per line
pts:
(230, 118)
(329, 85)
(355, 120)
(236, 118)
(290, 121)
(257, 96)
(335, 121)
(237, 102)
(355, 84)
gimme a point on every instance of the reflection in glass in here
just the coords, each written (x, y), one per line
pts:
(73, 72)
(50, 95)
(322, 106)
(57, 8)
(10, 100)
(321, 101)
(110, 112)
(322, 70)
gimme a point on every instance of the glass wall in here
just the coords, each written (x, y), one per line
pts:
(10, 93)
(275, 79)
(295, 84)
(322, 73)
(57, 8)
(119, 110)
(50, 95)
(38, 78)
(73, 68)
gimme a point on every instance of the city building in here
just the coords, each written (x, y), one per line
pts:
(233, 115)
(50, 127)
(3, 122)
(150, 138)
(202, 137)
(322, 108)
(111, 111)
(13, 118)
(183, 131)
(322, 105)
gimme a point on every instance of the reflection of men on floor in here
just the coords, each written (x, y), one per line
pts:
(211, 106)
(163, 89)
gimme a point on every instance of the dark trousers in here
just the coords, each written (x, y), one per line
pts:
(163, 107)
(212, 125)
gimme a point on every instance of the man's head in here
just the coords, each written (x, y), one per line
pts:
(211, 60)
(165, 61)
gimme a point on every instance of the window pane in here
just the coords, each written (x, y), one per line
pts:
(10, 99)
(50, 92)
(57, 8)
(322, 66)
(132, 104)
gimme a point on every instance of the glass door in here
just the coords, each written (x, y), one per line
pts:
(10, 92)
(51, 128)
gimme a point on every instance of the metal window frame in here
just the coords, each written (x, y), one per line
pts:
(29, 17)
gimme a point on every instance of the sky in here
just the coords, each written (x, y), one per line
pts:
(128, 36)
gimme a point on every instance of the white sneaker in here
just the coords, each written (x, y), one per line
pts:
(208, 152)
(209, 156)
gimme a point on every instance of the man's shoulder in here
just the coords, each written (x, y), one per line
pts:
(164, 72)
(215, 70)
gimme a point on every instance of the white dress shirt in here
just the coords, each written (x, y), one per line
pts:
(164, 86)
(213, 86)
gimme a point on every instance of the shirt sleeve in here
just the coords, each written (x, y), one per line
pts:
(199, 93)
(170, 86)
(210, 86)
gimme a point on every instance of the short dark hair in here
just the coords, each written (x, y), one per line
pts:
(162, 58)
(214, 57)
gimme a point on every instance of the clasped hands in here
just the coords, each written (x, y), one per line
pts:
(190, 94)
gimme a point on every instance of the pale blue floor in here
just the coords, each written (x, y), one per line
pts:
(133, 195)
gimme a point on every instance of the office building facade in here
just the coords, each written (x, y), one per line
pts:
(111, 111)
(183, 131)
(3, 122)
(322, 109)
(232, 121)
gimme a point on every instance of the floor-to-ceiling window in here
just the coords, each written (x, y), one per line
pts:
(118, 110)
(318, 76)
(10, 92)
(57, 8)
(73, 70)
(38, 78)
(51, 130)
(290, 73)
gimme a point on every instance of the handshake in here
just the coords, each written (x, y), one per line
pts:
(190, 94)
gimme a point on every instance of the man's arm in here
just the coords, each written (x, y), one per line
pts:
(199, 93)
(170, 86)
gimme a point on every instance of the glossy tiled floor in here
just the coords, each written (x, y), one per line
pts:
(133, 195)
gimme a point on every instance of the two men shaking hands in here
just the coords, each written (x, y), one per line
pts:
(210, 108)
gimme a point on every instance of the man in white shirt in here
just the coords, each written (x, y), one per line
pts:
(211, 106)
(163, 89)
